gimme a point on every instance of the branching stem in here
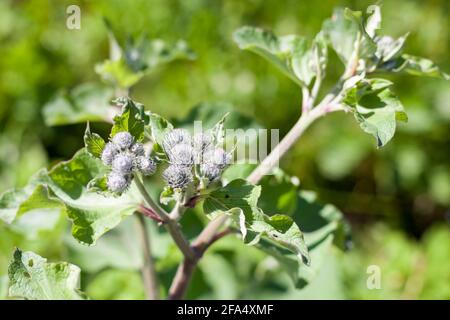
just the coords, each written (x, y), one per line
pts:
(171, 225)
(210, 232)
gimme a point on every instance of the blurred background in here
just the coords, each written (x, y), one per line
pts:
(396, 199)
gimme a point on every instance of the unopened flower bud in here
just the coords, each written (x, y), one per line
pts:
(210, 171)
(178, 176)
(146, 165)
(117, 182)
(201, 143)
(108, 153)
(218, 157)
(138, 149)
(123, 140)
(181, 154)
(123, 163)
(175, 137)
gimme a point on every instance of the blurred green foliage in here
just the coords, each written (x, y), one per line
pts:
(403, 187)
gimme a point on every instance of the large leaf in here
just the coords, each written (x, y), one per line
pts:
(87, 102)
(131, 60)
(350, 36)
(11, 200)
(291, 54)
(375, 106)
(32, 277)
(132, 119)
(239, 200)
(417, 66)
(92, 213)
(323, 227)
(66, 187)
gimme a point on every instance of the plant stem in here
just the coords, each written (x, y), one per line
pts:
(148, 268)
(186, 268)
(171, 225)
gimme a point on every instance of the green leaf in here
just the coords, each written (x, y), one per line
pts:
(419, 66)
(146, 54)
(347, 35)
(32, 277)
(159, 127)
(98, 184)
(66, 187)
(132, 60)
(118, 73)
(93, 142)
(290, 54)
(11, 200)
(132, 119)
(92, 214)
(167, 195)
(375, 107)
(87, 102)
(341, 33)
(239, 200)
(388, 49)
(323, 227)
(373, 21)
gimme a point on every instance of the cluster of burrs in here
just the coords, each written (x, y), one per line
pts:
(125, 156)
(190, 157)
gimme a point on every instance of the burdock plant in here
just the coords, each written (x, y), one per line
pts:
(108, 180)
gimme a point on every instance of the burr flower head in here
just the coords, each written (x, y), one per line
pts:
(109, 152)
(201, 143)
(118, 182)
(138, 149)
(210, 171)
(217, 157)
(123, 163)
(181, 154)
(123, 140)
(146, 165)
(178, 176)
(175, 137)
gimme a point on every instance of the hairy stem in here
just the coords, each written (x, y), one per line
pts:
(148, 268)
(171, 225)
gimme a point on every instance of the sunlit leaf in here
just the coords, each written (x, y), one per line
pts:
(93, 142)
(87, 102)
(32, 277)
(239, 200)
(375, 107)
(290, 54)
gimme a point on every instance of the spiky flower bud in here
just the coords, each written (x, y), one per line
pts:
(123, 140)
(181, 154)
(218, 157)
(146, 165)
(201, 143)
(178, 176)
(123, 163)
(118, 182)
(210, 171)
(175, 137)
(138, 149)
(108, 153)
